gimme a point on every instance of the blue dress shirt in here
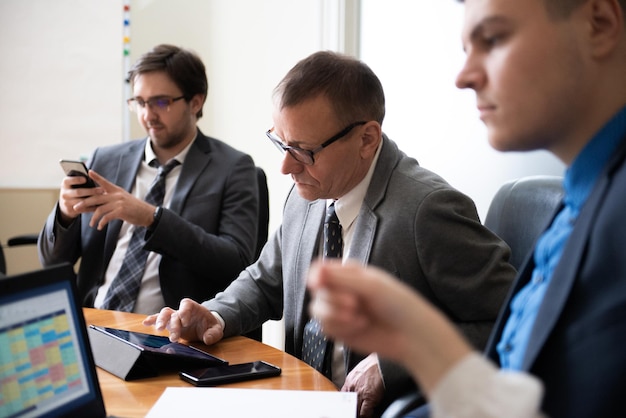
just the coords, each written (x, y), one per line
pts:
(579, 180)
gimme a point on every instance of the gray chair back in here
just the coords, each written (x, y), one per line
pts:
(26, 239)
(264, 219)
(521, 210)
(264, 211)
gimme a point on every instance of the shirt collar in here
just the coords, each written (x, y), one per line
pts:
(180, 157)
(587, 166)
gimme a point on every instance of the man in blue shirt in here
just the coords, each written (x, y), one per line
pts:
(548, 75)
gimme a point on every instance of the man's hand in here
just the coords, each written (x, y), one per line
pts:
(365, 379)
(113, 202)
(69, 197)
(192, 322)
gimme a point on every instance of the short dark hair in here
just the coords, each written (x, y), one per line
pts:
(561, 9)
(351, 86)
(183, 66)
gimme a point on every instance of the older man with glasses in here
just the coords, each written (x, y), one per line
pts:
(384, 210)
(173, 215)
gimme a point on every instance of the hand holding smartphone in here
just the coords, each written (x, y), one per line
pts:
(77, 168)
(222, 374)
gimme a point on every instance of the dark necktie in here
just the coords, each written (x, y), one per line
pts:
(317, 350)
(125, 287)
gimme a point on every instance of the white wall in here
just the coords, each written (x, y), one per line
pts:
(60, 89)
(415, 48)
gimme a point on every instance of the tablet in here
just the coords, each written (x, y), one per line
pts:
(154, 353)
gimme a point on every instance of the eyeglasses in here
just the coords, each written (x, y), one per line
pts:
(305, 156)
(159, 104)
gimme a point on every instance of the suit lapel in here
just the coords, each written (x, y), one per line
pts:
(197, 159)
(366, 221)
(307, 249)
(127, 168)
(129, 163)
(364, 233)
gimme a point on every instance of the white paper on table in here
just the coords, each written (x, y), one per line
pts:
(258, 403)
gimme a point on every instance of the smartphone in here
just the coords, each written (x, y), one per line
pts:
(218, 375)
(77, 168)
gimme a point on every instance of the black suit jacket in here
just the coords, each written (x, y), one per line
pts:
(206, 237)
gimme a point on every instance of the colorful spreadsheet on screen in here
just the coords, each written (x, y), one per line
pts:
(39, 362)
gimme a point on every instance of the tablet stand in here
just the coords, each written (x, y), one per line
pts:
(119, 358)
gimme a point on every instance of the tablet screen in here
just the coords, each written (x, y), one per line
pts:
(158, 344)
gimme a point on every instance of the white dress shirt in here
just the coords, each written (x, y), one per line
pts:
(476, 388)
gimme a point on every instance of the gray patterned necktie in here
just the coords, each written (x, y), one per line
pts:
(316, 348)
(124, 289)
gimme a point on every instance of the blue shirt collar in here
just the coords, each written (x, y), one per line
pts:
(587, 166)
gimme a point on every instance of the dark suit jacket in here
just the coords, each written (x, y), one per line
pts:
(578, 343)
(206, 237)
(412, 224)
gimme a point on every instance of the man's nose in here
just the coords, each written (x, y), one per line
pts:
(148, 114)
(471, 75)
(290, 165)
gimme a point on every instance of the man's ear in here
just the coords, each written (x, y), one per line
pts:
(371, 139)
(196, 102)
(606, 22)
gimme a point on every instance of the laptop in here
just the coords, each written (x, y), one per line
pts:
(46, 364)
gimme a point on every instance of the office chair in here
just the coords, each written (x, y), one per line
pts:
(519, 212)
(404, 404)
(27, 239)
(264, 211)
(3, 263)
(264, 218)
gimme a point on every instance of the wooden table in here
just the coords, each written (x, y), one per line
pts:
(135, 398)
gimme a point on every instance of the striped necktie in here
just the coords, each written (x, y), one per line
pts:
(316, 348)
(124, 289)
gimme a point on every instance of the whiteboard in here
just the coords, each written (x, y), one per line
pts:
(61, 88)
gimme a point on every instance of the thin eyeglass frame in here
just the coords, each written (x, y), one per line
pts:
(135, 105)
(299, 153)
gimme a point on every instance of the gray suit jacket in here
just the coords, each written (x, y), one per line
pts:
(206, 237)
(413, 225)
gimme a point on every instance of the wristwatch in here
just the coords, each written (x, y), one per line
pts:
(156, 216)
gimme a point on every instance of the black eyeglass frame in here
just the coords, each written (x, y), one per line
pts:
(299, 154)
(152, 103)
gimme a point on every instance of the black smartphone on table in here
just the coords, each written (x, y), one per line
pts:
(222, 374)
(77, 168)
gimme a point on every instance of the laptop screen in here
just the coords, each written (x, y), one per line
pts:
(46, 365)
